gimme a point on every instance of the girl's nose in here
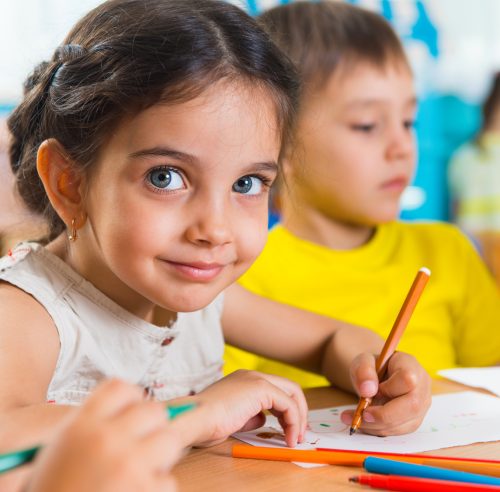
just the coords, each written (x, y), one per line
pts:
(211, 226)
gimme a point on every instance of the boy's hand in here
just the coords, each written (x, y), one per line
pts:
(400, 402)
(237, 401)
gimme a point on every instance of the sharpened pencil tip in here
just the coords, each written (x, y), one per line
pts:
(352, 430)
(354, 479)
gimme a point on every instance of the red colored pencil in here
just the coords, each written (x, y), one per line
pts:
(411, 484)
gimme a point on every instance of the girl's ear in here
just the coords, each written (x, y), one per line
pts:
(62, 180)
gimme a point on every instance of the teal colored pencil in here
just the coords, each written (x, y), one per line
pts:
(12, 460)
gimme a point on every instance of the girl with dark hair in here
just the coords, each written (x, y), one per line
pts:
(149, 142)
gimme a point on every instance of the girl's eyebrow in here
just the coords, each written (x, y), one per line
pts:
(269, 166)
(163, 152)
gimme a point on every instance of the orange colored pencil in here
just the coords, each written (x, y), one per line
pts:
(397, 330)
(355, 458)
(288, 454)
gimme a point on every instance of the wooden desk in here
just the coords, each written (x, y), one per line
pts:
(213, 469)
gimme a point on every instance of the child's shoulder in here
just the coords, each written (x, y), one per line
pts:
(434, 233)
(17, 303)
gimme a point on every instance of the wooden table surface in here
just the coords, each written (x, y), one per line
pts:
(213, 469)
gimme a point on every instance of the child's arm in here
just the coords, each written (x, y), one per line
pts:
(29, 347)
(116, 441)
(344, 353)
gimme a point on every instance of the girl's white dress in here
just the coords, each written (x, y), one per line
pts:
(99, 339)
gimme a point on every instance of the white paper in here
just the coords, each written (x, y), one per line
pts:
(479, 377)
(454, 419)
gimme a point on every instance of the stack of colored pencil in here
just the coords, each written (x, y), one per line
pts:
(394, 471)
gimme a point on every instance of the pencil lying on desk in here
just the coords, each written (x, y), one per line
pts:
(384, 466)
(411, 484)
(357, 458)
(472, 465)
(390, 344)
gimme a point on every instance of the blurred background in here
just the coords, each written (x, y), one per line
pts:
(453, 46)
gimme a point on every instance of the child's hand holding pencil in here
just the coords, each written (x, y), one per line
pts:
(400, 401)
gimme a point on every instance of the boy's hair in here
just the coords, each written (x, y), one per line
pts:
(321, 36)
(123, 57)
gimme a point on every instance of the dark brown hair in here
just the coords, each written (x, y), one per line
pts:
(126, 55)
(321, 36)
(491, 106)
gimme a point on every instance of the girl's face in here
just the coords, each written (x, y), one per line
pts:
(355, 149)
(177, 203)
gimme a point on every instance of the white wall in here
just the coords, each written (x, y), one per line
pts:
(29, 32)
(469, 39)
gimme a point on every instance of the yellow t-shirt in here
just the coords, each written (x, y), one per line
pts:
(456, 322)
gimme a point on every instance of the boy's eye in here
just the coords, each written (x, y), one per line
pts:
(166, 179)
(367, 128)
(248, 185)
(409, 124)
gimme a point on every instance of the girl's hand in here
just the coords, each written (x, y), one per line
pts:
(236, 403)
(400, 402)
(116, 441)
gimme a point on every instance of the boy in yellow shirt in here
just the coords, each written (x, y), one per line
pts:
(339, 250)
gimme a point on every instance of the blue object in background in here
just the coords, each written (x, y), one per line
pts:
(5, 109)
(443, 124)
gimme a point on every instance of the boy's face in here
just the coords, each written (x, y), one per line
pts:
(355, 150)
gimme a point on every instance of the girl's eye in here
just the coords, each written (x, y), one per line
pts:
(166, 179)
(248, 185)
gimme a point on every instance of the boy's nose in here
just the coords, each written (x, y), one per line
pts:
(401, 145)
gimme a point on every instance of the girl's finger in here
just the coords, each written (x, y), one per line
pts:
(295, 392)
(286, 409)
(254, 423)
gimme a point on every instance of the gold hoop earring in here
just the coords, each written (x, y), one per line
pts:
(73, 235)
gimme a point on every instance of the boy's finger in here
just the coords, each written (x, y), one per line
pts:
(364, 376)
(396, 412)
(398, 383)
